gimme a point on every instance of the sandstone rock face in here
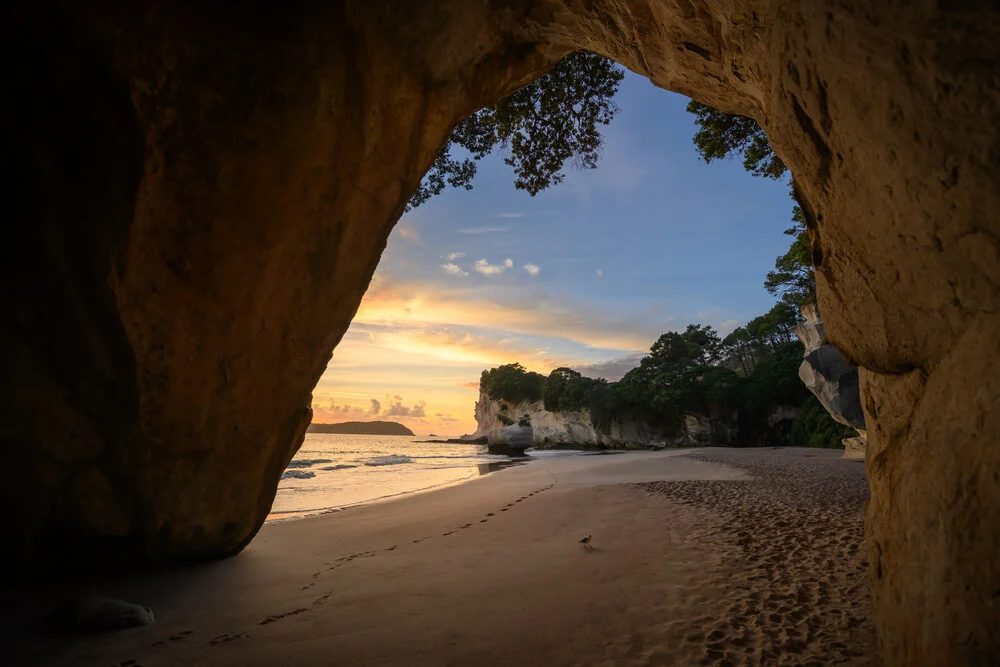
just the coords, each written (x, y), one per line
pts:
(832, 380)
(577, 428)
(827, 374)
(201, 197)
(854, 448)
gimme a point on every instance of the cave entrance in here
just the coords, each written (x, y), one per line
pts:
(202, 199)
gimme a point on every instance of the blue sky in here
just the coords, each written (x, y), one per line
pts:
(590, 271)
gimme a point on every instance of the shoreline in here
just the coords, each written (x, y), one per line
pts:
(495, 466)
(493, 573)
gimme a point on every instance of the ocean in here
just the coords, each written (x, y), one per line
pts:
(332, 472)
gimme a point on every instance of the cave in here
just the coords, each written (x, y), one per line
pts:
(201, 196)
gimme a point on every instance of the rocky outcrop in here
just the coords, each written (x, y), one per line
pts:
(511, 440)
(831, 379)
(200, 197)
(576, 429)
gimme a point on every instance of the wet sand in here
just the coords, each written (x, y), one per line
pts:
(709, 556)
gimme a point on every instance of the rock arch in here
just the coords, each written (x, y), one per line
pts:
(201, 197)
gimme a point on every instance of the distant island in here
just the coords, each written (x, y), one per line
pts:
(361, 428)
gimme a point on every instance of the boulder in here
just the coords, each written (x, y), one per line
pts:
(97, 613)
(854, 448)
(513, 439)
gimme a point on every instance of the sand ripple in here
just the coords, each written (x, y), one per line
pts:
(801, 594)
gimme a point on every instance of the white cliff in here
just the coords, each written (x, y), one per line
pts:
(577, 429)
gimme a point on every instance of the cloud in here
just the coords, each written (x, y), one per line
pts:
(397, 409)
(727, 327)
(471, 385)
(487, 269)
(409, 233)
(483, 230)
(599, 273)
(517, 214)
(512, 310)
(331, 412)
(454, 270)
(613, 369)
(532, 269)
(452, 256)
(445, 417)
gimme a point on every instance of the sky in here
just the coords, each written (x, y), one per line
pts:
(586, 274)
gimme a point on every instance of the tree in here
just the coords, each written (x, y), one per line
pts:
(738, 345)
(721, 135)
(538, 128)
(793, 279)
(512, 383)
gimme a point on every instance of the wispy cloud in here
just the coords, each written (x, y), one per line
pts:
(727, 327)
(487, 269)
(483, 230)
(515, 214)
(410, 233)
(452, 256)
(512, 310)
(613, 369)
(454, 270)
(599, 273)
(532, 269)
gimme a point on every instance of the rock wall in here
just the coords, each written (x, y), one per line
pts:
(200, 197)
(831, 379)
(578, 430)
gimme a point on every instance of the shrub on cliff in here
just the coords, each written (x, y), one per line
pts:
(512, 383)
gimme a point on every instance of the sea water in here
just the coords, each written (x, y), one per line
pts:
(332, 472)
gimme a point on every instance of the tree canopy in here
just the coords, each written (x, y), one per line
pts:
(793, 279)
(538, 129)
(721, 135)
(512, 383)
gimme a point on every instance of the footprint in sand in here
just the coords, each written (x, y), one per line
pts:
(490, 514)
(180, 635)
(222, 639)
(272, 619)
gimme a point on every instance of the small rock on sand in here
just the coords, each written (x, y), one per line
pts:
(96, 613)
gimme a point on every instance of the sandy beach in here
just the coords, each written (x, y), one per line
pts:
(707, 556)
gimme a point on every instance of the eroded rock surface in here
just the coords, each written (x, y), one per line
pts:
(827, 374)
(577, 429)
(201, 197)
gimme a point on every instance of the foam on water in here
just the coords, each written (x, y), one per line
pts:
(334, 471)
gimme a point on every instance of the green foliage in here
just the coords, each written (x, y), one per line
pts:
(568, 391)
(504, 419)
(512, 383)
(793, 279)
(538, 128)
(721, 135)
(678, 376)
(814, 427)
